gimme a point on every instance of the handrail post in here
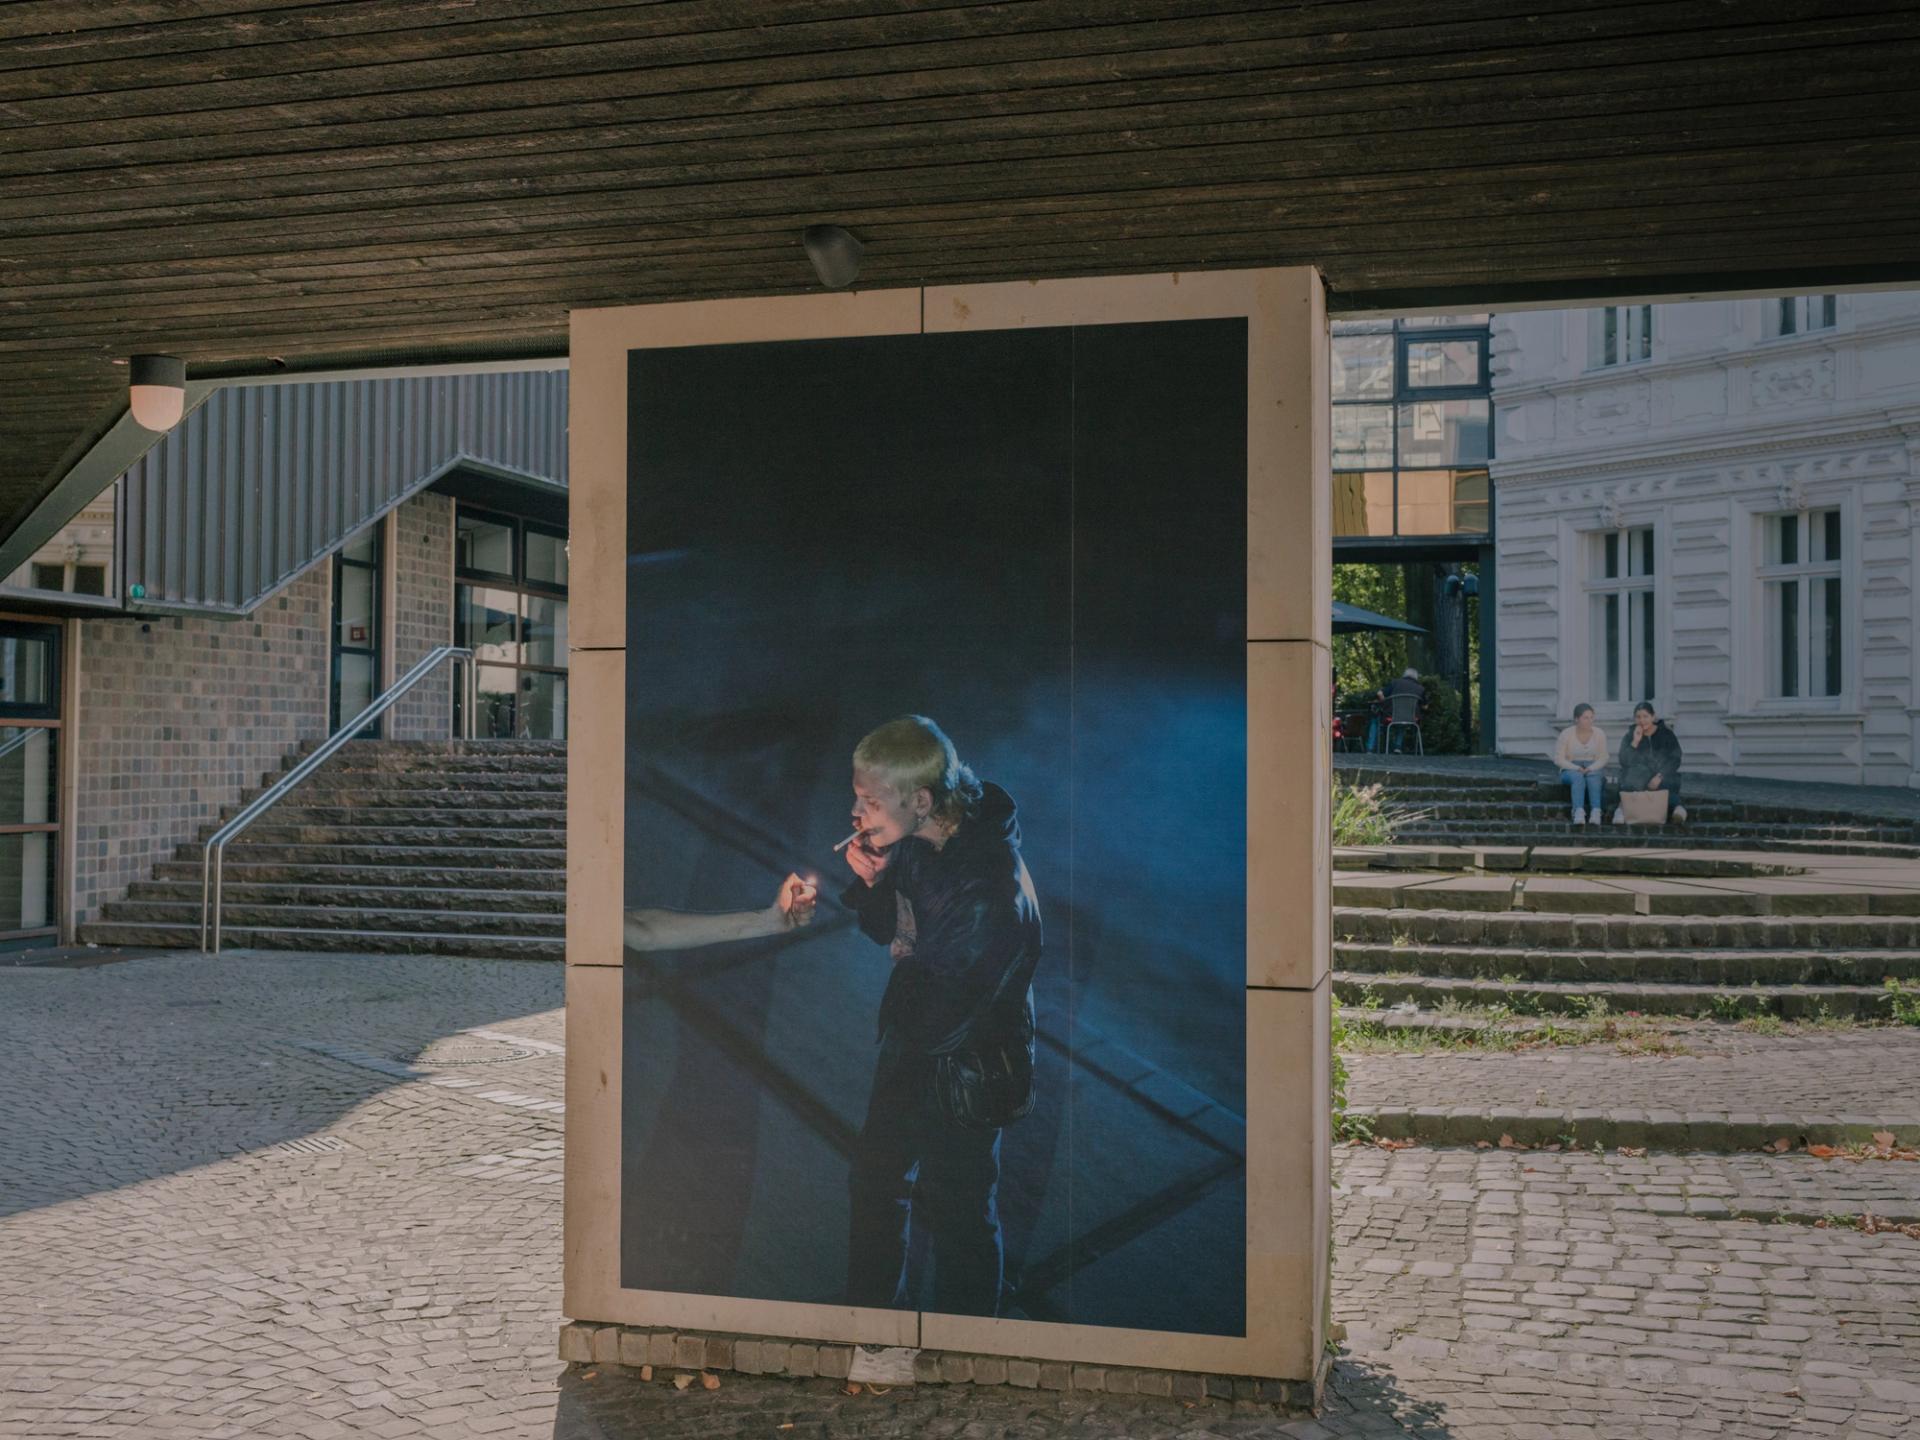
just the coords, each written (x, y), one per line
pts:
(213, 856)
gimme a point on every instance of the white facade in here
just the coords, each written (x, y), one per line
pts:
(1758, 465)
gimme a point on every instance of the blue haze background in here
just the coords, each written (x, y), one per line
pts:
(1037, 538)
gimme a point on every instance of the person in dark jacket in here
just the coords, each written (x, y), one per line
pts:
(1650, 760)
(938, 880)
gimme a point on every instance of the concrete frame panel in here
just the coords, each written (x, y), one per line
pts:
(1289, 847)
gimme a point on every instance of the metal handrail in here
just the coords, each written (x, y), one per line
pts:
(213, 858)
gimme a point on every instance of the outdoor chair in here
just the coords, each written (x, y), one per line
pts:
(1405, 714)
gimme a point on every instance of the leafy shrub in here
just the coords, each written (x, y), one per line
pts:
(1441, 732)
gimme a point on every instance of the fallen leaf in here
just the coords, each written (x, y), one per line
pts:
(1883, 1139)
(784, 1425)
(590, 1375)
(709, 1382)
(1386, 1144)
(1633, 1152)
(646, 1372)
(1483, 1144)
(1551, 1149)
(682, 1382)
(1822, 1152)
(1507, 1142)
(853, 1387)
(1780, 1146)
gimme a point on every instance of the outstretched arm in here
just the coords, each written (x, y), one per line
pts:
(680, 930)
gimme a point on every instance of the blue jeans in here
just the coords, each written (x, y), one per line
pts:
(913, 1166)
(1586, 788)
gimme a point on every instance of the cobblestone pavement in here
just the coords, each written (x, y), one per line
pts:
(166, 1268)
(1872, 1071)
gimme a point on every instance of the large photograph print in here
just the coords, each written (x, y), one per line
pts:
(936, 824)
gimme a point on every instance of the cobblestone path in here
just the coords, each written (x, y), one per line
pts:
(317, 1196)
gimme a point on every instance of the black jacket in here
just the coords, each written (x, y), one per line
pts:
(1657, 754)
(967, 940)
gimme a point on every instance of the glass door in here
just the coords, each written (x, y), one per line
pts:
(29, 783)
(356, 628)
(510, 607)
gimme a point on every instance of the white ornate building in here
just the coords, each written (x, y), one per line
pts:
(1714, 506)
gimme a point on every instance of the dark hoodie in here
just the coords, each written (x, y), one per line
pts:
(1657, 754)
(968, 938)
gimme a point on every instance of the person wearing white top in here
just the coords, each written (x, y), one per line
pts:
(1581, 754)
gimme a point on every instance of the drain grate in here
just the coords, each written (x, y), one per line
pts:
(466, 1050)
(312, 1145)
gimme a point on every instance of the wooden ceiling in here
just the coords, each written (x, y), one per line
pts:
(252, 185)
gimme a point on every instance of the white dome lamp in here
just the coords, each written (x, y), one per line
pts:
(157, 391)
(835, 253)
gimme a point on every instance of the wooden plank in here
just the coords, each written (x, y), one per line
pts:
(1208, 45)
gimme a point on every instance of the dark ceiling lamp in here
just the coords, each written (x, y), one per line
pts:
(157, 391)
(835, 254)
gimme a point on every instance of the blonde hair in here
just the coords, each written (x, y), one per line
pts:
(912, 753)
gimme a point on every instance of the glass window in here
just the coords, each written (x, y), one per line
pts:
(78, 559)
(1442, 364)
(546, 559)
(482, 546)
(1803, 610)
(364, 548)
(1362, 437)
(27, 791)
(48, 577)
(355, 688)
(354, 613)
(27, 656)
(494, 689)
(546, 631)
(1798, 314)
(1363, 367)
(1619, 335)
(1363, 502)
(1621, 601)
(1442, 502)
(90, 580)
(1444, 432)
(26, 880)
(542, 706)
(1434, 322)
(487, 621)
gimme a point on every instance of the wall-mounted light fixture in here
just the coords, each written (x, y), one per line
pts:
(157, 391)
(835, 254)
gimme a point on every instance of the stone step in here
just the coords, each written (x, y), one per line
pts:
(479, 812)
(1679, 967)
(506, 878)
(380, 942)
(1565, 894)
(356, 897)
(1625, 836)
(276, 915)
(252, 850)
(1519, 929)
(474, 837)
(350, 762)
(1666, 1130)
(354, 783)
(1788, 1002)
(1485, 831)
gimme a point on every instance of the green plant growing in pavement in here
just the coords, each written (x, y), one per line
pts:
(1369, 999)
(1346, 1126)
(1589, 1007)
(1763, 1024)
(1360, 816)
(1904, 1000)
(1401, 940)
(1728, 1006)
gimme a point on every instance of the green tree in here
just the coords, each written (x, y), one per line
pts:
(1365, 662)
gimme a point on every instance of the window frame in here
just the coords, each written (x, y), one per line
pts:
(1773, 312)
(1805, 571)
(1596, 360)
(1597, 587)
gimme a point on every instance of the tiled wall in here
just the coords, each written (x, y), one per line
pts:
(422, 613)
(177, 717)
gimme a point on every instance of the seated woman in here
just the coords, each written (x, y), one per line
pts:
(1650, 760)
(1581, 754)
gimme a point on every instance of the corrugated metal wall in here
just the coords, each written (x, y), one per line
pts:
(262, 480)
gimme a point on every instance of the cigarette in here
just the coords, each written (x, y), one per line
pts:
(848, 841)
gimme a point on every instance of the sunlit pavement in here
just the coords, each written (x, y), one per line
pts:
(318, 1196)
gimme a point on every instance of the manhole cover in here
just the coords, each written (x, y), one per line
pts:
(467, 1050)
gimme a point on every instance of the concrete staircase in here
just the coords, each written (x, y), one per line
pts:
(426, 848)
(1573, 933)
(1442, 807)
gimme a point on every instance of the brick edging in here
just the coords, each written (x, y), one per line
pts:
(683, 1352)
(1652, 1129)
